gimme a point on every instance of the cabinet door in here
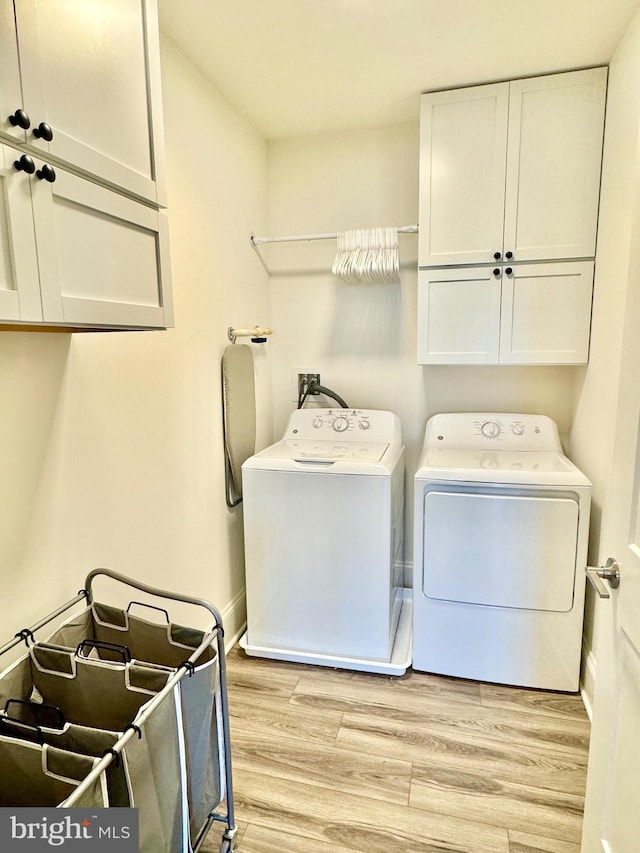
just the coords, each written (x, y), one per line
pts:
(19, 283)
(103, 257)
(10, 91)
(459, 316)
(463, 137)
(546, 313)
(553, 167)
(90, 70)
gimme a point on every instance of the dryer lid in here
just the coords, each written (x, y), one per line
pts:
(505, 467)
(494, 447)
(496, 460)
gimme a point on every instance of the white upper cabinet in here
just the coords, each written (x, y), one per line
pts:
(459, 315)
(83, 243)
(545, 315)
(76, 254)
(463, 148)
(100, 256)
(11, 102)
(554, 153)
(19, 276)
(90, 77)
(511, 171)
(523, 314)
(509, 190)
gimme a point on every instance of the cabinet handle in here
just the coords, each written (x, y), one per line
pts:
(496, 271)
(509, 271)
(20, 119)
(25, 164)
(43, 131)
(47, 173)
(509, 255)
(496, 256)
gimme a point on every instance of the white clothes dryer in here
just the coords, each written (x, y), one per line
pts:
(324, 543)
(500, 540)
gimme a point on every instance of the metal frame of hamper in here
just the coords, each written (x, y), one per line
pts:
(115, 709)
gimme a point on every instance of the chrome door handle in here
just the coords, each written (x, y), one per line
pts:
(610, 572)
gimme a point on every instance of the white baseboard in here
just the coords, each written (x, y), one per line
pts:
(587, 678)
(234, 619)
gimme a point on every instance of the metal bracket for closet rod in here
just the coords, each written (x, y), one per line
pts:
(258, 334)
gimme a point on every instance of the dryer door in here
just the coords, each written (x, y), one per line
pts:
(513, 549)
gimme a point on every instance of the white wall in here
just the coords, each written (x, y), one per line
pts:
(592, 435)
(112, 443)
(362, 339)
(32, 370)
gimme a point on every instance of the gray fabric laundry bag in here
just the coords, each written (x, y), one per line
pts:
(107, 697)
(45, 725)
(34, 774)
(165, 644)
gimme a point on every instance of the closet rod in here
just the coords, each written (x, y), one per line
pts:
(259, 241)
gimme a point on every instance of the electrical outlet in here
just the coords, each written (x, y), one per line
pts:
(302, 375)
(304, 380)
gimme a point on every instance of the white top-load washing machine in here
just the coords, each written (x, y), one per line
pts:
(501, 524)
(323, 523)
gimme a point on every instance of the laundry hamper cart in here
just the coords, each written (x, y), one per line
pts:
(152, 690)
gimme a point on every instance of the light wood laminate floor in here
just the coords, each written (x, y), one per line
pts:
(330, 761)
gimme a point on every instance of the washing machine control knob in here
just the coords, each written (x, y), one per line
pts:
(316, 423)
(517, 429)
(490, 429)
(340, 424)
(364, 424)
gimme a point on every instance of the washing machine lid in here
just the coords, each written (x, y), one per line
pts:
(522, 467)
(364, 458)
(319, 450)
(336, 441)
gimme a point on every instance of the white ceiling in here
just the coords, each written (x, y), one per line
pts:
(296, 67)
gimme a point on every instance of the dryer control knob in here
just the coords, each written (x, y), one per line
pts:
(490, 429)
(340, 424)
